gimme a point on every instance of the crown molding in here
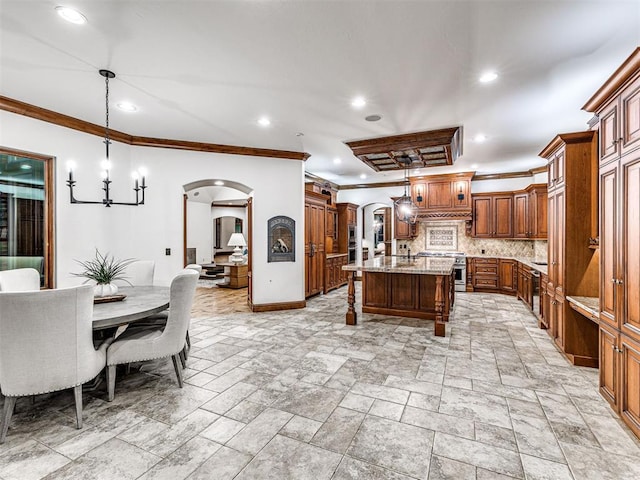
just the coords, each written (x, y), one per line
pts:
(42, 114)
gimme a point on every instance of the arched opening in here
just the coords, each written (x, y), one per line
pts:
(376, 229)
(217, 214)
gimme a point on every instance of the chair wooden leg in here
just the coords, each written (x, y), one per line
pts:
(177, 368)
(77, 393)
(183, 359)
(111, 382)
(9, 404)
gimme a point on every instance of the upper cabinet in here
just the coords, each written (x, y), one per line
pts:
(493, 215)
(521, 214)
(442, 196)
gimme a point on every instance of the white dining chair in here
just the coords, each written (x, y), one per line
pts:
(19, 280)
(140, 345)
(46, 345)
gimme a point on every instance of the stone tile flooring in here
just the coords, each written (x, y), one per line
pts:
(300, 395)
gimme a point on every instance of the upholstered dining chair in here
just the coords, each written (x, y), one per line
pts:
(19, 280)
(46, 345)
(140, 345)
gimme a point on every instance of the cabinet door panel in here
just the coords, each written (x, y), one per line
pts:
(630, 384)
(375, 293)
(559, 240)
(552, 240)
(559, 308)
(521, 215)
(419, 194)
(609, 145)
(439, 195)
(507, 277)
(631, 247)
(482, 224)
(630, 105)
(503, 217)
(402, 291)
(559, 161)
(608, 243)
(609, 365)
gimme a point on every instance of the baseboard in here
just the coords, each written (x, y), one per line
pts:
(270, 307)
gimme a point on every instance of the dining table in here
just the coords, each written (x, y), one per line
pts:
(139, 303)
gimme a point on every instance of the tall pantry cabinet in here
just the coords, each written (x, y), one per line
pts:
(617, 106)
(573, 266)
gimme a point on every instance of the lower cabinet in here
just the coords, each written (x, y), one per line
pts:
(493, 275)
(508, 276)
(334, 276)
(620, 374)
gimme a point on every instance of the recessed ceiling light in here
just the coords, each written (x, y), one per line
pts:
(363, 176)
(264, 121)
(195, 194)
(25, 166)
(479, 138)
(337, 160)
(373, 118)
(299, 134)
(218, 183)
(488, 76)
(358, 102)
(71, 15)
(474, 165)
(127, 107)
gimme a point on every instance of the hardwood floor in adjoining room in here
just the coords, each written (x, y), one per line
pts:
(214, 300)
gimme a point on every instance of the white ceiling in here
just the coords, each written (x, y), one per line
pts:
(207, 70)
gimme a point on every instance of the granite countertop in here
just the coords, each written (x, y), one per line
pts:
(401, 264)
(528, 261)
(590, 304)
(333, 255)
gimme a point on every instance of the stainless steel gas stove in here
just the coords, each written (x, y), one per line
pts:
(460, 266)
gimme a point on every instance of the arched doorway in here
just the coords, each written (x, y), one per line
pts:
(376, 228)
(214, 209)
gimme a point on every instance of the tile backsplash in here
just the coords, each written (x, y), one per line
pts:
(478, 246)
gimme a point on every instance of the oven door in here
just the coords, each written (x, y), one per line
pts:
(460, 272)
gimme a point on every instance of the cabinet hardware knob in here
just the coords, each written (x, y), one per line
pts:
(613, 280)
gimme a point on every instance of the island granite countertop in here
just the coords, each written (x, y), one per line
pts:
(402, 264)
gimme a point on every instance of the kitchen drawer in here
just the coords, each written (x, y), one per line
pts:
(485, 282)
(485, 261)
(486, 269)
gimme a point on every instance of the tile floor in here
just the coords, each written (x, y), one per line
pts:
(300, 395)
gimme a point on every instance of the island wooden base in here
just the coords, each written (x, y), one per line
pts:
(427, 297)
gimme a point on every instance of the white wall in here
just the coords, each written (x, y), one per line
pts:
(145, 231)
(199, 232)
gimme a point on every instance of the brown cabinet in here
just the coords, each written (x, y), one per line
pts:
(331, 230)
(443, 196)
(334, 276)
(521, 215)
(347, 228)
(572, 269)
(544, 301)
(537, 212)
(609, 364)
(492, 215)
(525, 285)
(314, 238)
(403, 230)
(630, 383)
(235, 276)
(508, 275)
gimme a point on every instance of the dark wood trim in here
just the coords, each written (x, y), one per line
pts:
(49, 209)
(566, 138)
(400, 183)
(184, 229)
(214, 204)
(27, 110)
(405, 141)
(271, 307)
(628, 69)
(536, 170)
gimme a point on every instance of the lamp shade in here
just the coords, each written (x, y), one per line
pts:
(237, 240)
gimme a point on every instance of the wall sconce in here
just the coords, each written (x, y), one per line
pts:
(106, 164)
(419, 196)
(460, 194)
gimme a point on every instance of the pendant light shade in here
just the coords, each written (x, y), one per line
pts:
(406, 210)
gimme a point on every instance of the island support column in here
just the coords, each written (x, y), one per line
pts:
(439, 327)
(352, 315)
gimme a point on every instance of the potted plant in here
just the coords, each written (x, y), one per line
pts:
(104, 269)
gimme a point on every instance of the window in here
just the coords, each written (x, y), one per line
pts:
(26, 211)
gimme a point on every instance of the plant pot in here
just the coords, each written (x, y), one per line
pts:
(105, 290)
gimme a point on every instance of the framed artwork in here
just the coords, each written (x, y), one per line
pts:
(442, 237)
(281, 235)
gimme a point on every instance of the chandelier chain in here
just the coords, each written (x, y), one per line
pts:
(107, 140)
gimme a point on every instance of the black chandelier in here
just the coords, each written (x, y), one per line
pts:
(139, 177)
(406, 210)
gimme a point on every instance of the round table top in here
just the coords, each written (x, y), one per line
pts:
(140, 303)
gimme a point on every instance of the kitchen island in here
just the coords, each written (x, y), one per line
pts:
(413, 287)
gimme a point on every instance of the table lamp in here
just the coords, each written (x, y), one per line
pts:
(237, 240)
